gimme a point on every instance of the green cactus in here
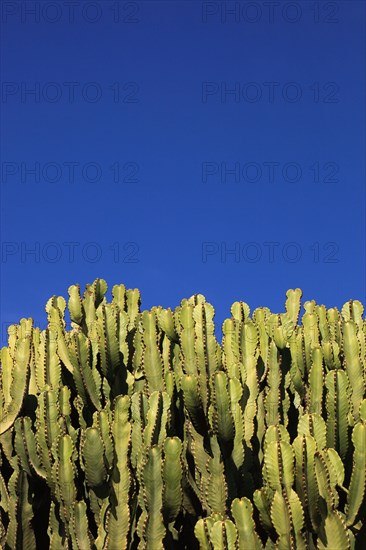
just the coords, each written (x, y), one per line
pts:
(242, 511)
(139, 430)
(14, 374)
(337, 385)
(358, 478)
(20, 532)
(118, 517)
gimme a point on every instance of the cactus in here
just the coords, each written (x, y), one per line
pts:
(358, 477)
(138, 429)
(14, 374)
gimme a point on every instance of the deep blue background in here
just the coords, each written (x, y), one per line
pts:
(160, 56)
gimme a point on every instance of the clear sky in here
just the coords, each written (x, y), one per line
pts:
(180, 148)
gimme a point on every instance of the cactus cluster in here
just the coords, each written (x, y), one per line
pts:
(138, 429)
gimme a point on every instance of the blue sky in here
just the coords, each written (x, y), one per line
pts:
(180, 148)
